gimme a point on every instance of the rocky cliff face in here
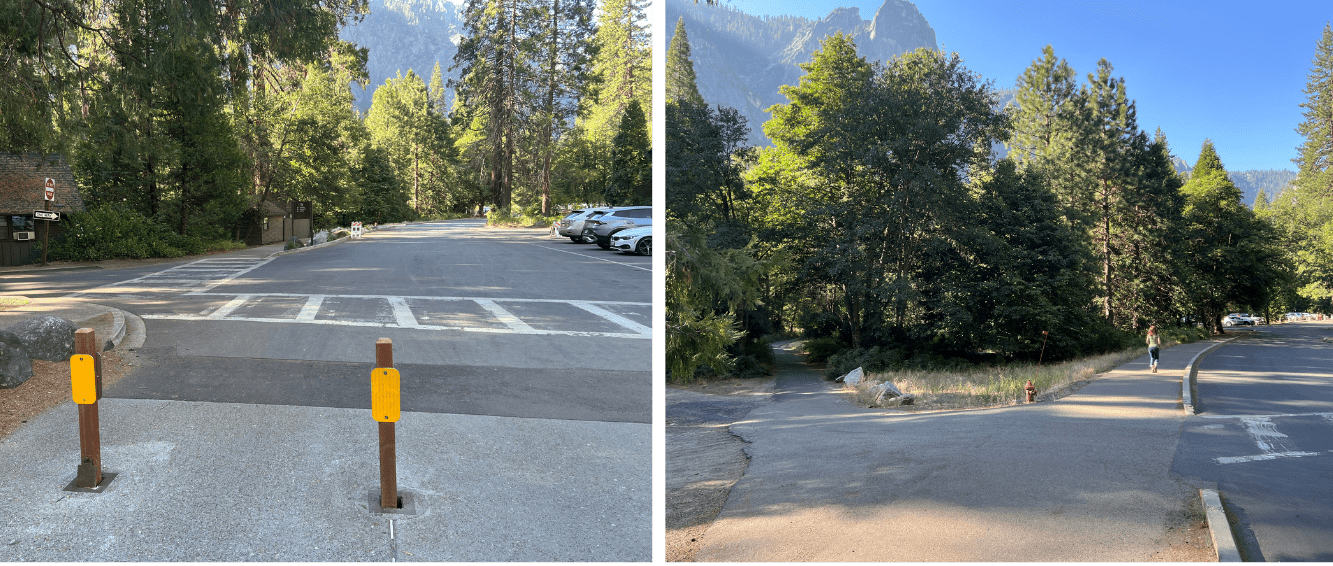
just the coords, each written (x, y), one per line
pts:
(406, 34)
(741, 60)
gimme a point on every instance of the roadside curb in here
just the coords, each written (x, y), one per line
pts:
(301, 249)
(1227, 550)
(19, 269)
(1191, 376)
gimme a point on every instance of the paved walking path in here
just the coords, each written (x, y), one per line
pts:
(1083, 478)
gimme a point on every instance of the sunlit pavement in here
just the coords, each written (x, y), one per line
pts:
(1264, 437)
(1084, 478)
(245, 432)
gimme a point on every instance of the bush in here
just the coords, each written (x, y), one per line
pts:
(116, 232)
(818, 350)
(497, 217)
(1182, 335)
(754, 360)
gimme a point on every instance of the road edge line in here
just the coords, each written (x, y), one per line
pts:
(1225, 547)
(1191, 375)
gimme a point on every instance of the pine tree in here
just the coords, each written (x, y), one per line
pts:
(1316, 153)
(680, 80)
(493, 73)
(623, 66)
(1231, 257)
(631, 171)
(1048, 100)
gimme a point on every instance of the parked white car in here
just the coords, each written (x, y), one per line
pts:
(637, 240)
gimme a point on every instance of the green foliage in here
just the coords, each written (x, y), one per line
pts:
(1231, 256)
(524, 219)
(116, 232)
(623, 66)
(680, 80)
(705, 288)
(631, 178)
(384, 198)
(1303, 215)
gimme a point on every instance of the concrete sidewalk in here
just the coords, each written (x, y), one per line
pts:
(200, 481)
(229, 482)
(1084, 478)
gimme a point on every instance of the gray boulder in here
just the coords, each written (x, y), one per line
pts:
(321, 237)
(15, 367)
(46, 337)
(852, 378)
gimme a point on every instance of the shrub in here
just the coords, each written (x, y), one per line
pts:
(818, 350)
(116, 232)
(755, 359)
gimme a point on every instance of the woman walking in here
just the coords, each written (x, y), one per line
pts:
(1154, 346)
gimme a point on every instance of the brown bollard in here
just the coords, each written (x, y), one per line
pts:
(388, 446)
(90, 440)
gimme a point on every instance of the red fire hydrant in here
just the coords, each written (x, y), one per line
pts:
(1032, 391)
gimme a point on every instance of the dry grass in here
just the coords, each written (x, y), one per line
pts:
(992, 386)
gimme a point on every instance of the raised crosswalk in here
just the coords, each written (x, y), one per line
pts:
(190, 278)
(611, 319)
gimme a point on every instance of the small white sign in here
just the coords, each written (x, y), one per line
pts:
(356, 229)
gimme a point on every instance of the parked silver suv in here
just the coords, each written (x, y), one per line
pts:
(571, 226)
(602, 227)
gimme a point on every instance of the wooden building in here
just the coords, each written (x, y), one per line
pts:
(276, 222)
(23, 189)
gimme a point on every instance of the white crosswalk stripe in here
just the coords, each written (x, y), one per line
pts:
(485, 314)
(194, 277)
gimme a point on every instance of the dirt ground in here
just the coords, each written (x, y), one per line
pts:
(50, 386)
(703, 462)
(1187, 538)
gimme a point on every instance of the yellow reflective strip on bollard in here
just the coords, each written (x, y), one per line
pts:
(384, 397)
(83, 379)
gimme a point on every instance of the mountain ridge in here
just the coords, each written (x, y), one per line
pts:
(741, 60)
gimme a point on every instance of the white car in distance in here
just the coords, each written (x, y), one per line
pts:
(634, 240)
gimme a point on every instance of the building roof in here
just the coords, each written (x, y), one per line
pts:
(274, 209)
(23, 183)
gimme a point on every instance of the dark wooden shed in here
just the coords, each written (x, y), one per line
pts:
(22, 192)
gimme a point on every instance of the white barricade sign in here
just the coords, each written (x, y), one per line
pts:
(356, 229)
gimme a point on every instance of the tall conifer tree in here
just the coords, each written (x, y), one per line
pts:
(681, 83)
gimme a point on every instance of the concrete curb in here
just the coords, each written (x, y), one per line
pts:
(1227, 550)
(1191, 375)
(117, 329)
(325, 244)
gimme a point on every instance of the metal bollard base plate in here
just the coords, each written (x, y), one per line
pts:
(99, 488)
(407, 504)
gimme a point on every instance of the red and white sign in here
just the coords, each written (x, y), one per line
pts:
(50, 189)
(356, 229)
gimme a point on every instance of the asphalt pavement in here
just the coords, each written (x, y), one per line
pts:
(1264, 437)
(245, 433)
(1084, 478)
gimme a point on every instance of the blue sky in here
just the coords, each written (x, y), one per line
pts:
(1229, 71)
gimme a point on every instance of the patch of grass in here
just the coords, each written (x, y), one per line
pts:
(7, 303)
(218, 246)
(497, 218)
(996, 386)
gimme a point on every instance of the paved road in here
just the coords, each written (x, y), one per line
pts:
(526, 396)
(1264, 436)
(1083, 478)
